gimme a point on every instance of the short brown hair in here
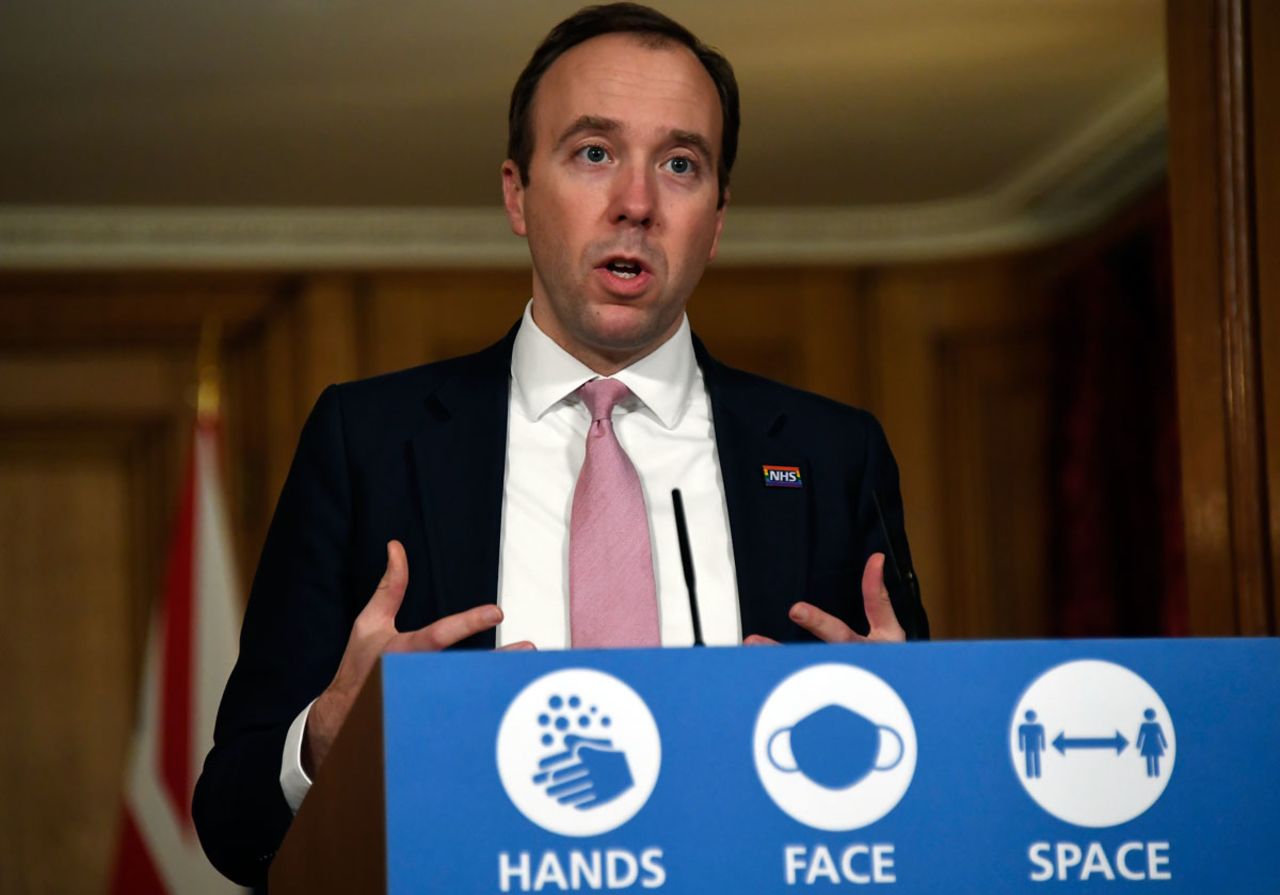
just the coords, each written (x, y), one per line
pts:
(620, 18)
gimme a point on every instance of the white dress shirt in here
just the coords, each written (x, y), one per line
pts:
(666, 429)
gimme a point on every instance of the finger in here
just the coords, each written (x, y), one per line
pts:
(875, 600)
(555, 759)
(562, 777)
(543, 776)
(569, 785)
(759, 640)
(823, 625)
(516, 647)
(385, 602)
(578, 799)
(447, 631)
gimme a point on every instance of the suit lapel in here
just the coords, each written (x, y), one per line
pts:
(460, 462)
(769, 526)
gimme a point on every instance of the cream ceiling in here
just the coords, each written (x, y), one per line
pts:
(332, 124)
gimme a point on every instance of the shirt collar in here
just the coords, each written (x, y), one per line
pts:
(544, 374)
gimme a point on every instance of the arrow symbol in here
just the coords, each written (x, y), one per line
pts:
(1062, 743)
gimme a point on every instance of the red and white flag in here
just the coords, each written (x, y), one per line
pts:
(190, 651)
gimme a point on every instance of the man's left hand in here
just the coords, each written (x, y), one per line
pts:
(828, 628)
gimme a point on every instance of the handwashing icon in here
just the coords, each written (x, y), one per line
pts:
(835, 747)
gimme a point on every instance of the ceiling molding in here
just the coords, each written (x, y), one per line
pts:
(1072, 186)
(1119, 129)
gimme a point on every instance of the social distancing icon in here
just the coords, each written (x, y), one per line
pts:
(1092, 743)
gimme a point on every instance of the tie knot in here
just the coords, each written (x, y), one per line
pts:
(601, 396)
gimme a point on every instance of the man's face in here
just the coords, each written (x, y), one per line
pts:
(621, 205)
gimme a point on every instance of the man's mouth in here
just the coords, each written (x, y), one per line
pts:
(624, 276)
(624, 268)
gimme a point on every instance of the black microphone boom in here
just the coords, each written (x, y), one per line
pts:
(686, 561)
(907, 577)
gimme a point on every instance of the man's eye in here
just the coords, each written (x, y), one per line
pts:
(682, 165)
(595, 154)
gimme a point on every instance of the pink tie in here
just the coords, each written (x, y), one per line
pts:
(612, 598)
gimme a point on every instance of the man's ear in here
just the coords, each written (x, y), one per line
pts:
(513, 197)
(715, 243)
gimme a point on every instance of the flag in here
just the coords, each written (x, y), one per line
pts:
(190, 650)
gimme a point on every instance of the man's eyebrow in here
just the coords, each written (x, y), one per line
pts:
(587, 123)
(694, 139)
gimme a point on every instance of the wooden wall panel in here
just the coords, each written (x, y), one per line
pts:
(80, 384)
(961, 361)
(1223, 121)
(326, 332)
(286, 402)
(994, 405)
(1265, 95)
(794, 325)
(413, 319)
(397, 315)
(68, 650)
(124, 309)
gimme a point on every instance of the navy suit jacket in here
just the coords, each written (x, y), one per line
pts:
(419, 456)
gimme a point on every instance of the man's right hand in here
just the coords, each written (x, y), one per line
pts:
(373, 634)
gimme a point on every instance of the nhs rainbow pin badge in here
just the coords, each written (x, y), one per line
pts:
(782, 477)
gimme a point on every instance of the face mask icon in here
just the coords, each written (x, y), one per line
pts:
(835, 747)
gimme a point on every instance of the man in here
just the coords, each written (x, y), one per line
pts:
(537, 473)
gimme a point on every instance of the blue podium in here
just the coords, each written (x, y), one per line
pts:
(1050, 766)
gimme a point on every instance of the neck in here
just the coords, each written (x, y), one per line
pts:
(601, 360)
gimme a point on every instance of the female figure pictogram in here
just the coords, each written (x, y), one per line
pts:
(1151, 742)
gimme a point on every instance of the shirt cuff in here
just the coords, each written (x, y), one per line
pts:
(293, 779)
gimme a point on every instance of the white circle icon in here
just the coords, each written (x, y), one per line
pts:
(835, 747)
(1092, 743)
(578, 752)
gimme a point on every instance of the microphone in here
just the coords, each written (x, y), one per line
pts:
(909, 576)
(686, 561)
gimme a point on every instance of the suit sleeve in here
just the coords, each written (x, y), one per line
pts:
(295, 628)
(880, 483)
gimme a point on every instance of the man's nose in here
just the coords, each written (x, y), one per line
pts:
(635, 197)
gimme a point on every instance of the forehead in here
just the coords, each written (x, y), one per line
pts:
(630, 79)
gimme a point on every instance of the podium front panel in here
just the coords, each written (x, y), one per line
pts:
(1058, 766)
